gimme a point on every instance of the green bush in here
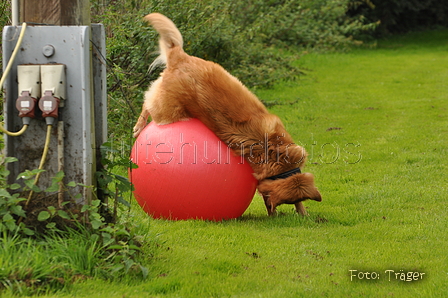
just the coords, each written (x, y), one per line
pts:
(73, 241)
(5, 13)
(251, 39)
(321, 24)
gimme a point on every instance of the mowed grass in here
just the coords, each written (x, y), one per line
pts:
(375, 123)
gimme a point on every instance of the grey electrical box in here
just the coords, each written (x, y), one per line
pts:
(81, 128)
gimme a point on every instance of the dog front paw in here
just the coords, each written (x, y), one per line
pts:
(137, 130)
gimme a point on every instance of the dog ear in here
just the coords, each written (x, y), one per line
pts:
(305, 188)
(270, 206)
(265, 189)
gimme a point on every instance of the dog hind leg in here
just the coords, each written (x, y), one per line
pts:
(163, 108)
(141, 122)
(150, 96)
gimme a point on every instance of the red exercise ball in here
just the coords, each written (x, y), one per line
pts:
(186, 172)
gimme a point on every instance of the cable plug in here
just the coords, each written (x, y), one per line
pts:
(49, 105)
(26, 104)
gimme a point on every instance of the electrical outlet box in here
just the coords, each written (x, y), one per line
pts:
(53, 79)
(72, 55)
(28, 77)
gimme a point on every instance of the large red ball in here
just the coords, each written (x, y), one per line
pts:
(186, 172)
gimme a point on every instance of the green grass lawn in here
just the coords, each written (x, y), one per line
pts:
(375, 123)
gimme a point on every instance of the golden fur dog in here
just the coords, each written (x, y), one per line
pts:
(190, 87)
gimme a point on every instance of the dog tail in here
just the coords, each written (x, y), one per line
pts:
(170, 36)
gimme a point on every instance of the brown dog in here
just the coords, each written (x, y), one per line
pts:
(190, 87)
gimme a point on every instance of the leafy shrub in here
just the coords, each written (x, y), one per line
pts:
(5, 8)
(251, 39)
(51, 263)
(5, 13)
(320, 24)
(55, 245)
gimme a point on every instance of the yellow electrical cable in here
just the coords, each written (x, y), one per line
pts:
(5, 74)
(14, 134)
(42, 162)
(13, 56)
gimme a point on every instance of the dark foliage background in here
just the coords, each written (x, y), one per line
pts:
(399, 16)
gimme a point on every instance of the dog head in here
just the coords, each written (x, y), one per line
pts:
(291, 190)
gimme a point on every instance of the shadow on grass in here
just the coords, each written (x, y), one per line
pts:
(286, 219)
